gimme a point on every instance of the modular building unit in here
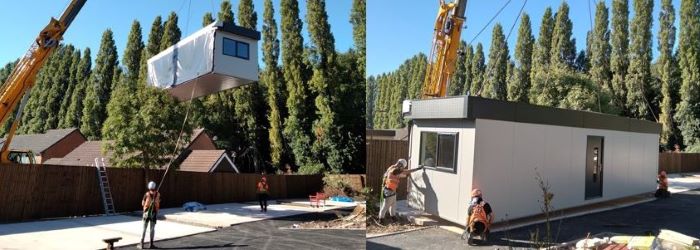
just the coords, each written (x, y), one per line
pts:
(500, 147)
(215, 58)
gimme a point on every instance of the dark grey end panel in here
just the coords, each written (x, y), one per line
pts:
(490, 109)
(607, 122)
(528, 113)
(645, 127)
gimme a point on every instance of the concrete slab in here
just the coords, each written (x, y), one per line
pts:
(86, 233)
(680, 183)
(271, 235)
(228, 214)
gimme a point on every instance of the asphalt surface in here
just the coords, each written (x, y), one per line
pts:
(267, 234)
(680, 213)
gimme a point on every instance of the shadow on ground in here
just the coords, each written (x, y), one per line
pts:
(267, 234)
(678, 213)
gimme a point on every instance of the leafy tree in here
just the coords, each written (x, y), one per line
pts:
(171, 32)
(72, 85)
(57, 90)
(639, 72)
(563, 50)
(371, 100)
(74, 113)
(249, 106)
(666, 62)
(468, 77)
(539, 74)
(207, 19)
(99, 88)
(298, 124)
(519, 84)
(122, 106)
(581, 62)
(358, 19)
(495, 82)
(152, 47)
(325, 127)
(688, 111)
(4, 75)
(600, 49)
(226, 13)
(133, 52)
(34, 119)
(477, 70)
(619, 43)
(153, 134)
(276, 93)
(456, 83)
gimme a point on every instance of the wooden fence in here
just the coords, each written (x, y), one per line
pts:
(380, 155)
(45, 191)
(679, 162)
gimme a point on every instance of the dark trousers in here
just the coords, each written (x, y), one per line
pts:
(146, 221)
(262, 198)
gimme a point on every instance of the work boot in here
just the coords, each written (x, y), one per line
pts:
(394, 219)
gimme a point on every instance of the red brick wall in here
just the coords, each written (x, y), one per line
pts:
(62, 147)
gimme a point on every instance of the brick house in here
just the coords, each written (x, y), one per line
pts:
(55, 143)
(200, 149)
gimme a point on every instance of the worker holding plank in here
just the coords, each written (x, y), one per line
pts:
(392, 178)
(151, 205)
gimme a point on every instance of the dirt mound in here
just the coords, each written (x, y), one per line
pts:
(390, 225)
(354, 220)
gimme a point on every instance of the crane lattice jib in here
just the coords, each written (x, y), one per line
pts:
(443, 54)
(22, 78)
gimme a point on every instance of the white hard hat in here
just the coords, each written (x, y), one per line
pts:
(151, 185)
(402, 163)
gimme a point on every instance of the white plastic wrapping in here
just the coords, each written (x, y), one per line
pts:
(186, 60)
(197, 66)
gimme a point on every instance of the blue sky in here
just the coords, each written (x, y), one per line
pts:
(21, 21)
(396, 31)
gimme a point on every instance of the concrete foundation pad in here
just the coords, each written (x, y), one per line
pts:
(228, 214)
(422, 220)
(680, 183)
(86, 233)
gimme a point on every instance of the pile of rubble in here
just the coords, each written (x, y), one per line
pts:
(354, 220)
(399, 224)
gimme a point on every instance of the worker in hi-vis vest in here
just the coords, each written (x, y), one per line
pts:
(263, 192)
(392, 178)
(150, 204)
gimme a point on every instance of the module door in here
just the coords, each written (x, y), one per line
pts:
(594, 167)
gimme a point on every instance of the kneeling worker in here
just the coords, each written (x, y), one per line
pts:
(479, 217)
(662, 189)
(392, 178)
(150, 204)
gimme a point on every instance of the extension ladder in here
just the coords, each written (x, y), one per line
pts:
(107, 201)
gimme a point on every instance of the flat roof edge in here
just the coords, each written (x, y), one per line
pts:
(471, 107)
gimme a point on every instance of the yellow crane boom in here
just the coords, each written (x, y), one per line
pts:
(443, 54)
(21, 80)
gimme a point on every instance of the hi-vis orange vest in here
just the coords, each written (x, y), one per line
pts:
(262, 187)
(392, 181)
(478, 215)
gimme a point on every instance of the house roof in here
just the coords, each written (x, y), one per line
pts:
(205, 161)
(38, 143)
(86, 153)
(83, 155)
(471, 108)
